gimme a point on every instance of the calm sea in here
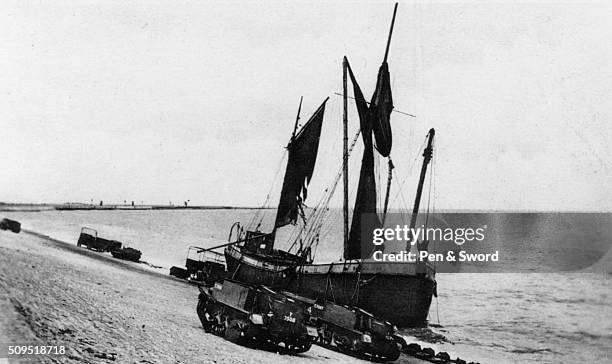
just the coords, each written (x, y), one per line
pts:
(486, 317)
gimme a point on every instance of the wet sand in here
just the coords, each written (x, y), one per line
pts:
(106, 310)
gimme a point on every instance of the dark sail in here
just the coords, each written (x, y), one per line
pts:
(380, 111)
(300, 165)
(362, 105)
(365, 201)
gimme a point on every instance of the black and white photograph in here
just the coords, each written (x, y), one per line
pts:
(305, 181)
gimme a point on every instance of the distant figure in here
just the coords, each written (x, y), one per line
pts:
(101, 203)
(132, 203)
(185, 203)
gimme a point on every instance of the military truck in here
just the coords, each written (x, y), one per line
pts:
(12, 225)
(90, 239)
(350, 329)
(254, 314)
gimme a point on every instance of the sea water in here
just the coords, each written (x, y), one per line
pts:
(552, 317)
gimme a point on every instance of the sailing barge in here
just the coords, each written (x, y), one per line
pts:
(398, 292)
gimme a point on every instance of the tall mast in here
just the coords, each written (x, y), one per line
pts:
(297, 119)
(390, 163)
(426, 158)
(390, 33)
(345, 153)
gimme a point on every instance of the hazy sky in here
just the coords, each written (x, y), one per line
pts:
(160, 101)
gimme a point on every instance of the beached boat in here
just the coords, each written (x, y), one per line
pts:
(398, 292)
(201, 266)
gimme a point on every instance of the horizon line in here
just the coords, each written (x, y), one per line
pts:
(90, 206)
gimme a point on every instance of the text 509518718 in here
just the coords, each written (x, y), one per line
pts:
(20, 350)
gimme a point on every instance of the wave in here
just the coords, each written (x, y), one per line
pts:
(533, 351)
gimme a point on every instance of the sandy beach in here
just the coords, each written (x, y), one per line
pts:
(105, 310)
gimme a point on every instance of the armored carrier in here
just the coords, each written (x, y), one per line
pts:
(350, 329)
(248, 314)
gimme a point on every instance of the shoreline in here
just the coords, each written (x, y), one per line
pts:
(107, 310)
(77, 206)
(18, 207)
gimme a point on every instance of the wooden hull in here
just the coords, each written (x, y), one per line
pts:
(400, 293)
(250, 269)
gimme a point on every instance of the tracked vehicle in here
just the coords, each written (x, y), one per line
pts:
(350, 329)
(248, 314)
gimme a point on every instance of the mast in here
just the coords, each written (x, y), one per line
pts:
(302, 155)
(427, 153)
(374, 124)
(297, 118)
(345, 152)
(390, 32)
(390, 173)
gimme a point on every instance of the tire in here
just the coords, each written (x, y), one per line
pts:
(201, 311)
(233, 331)
(392, 356)
(302, 348)
(342, 342)
(221, 324)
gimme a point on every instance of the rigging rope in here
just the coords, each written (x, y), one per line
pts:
(260, 213)
(431, 180)
(433, 167)
(405, 211)
(401, 185)
(389, 176)
(319, 212)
